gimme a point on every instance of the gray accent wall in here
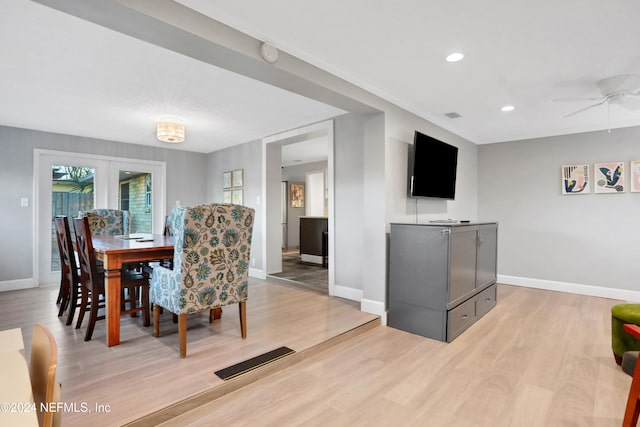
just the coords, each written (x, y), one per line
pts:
(349, 201)
(185, 172)
(569, 242)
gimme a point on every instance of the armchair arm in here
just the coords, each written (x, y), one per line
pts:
(164, 288)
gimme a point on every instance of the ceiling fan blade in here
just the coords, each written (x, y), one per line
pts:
(585, 108)
(576, 99)
(631, 102)
(629, 83)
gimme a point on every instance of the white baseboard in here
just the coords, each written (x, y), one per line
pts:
(352, 294)
(258, 274)
(14, 285)
(374, 307)
(315, 259)
(574, 288)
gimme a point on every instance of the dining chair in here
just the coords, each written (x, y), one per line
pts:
(63, 292)
(70, 288)
(92, 280)
(42, 371)
(210, 265)
(107, 221)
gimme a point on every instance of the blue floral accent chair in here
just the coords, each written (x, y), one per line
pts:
(107, 221)
(210, 265)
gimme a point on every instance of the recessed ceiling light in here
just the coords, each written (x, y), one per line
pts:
(508, 108)
(455, 57)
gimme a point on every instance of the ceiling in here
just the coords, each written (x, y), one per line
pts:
(66, 75)
(63, 74)
(517, 52)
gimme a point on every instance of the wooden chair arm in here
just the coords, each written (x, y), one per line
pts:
(632, 329)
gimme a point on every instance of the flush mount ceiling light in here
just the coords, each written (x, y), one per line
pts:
(508, 108)
(455, 57)
(170, 131)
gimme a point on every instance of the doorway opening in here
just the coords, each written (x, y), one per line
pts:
(304, 253)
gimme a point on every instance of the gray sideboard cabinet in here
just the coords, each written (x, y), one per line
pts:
(442, 277)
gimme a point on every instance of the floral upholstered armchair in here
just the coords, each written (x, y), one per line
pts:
(210, 264)
(107, 221)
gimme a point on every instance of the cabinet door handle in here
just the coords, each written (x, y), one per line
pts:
(445, 231)
(488, 299)
(464, 317)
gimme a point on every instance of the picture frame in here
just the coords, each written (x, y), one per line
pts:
(576, 179)
(634, 176)
(226, 180)
(237, 178)
(608, 178)
(296, 195)
(236, 196)
(226, 196)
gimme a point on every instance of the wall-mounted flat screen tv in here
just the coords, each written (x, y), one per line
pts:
(434, 168)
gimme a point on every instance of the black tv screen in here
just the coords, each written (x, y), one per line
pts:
(434, 168)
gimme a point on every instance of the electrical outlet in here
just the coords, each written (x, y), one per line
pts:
(253, 262)
(24, 202)
(177, 202)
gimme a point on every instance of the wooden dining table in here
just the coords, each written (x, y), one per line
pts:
(114, 251)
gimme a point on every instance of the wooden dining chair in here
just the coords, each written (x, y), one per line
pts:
(92, 279)
(42, 371)
(210, 265)
(70, 288)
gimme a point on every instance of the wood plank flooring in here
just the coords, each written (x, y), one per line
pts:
(540, 358)
(145, 374)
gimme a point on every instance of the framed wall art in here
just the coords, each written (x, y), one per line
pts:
(575, 179)
(236, 178)
(226, 180)
(296, 195)
(236, 196)
(608, 177)
(226, 196)
(634, 168)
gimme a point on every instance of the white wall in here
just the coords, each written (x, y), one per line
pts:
(579, 243)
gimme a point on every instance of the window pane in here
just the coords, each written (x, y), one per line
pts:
(72, 192)
(135, 196)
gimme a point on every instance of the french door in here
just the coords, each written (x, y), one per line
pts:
(68, 183)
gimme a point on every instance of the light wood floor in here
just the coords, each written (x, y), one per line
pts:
(145, 374)
(540, 358)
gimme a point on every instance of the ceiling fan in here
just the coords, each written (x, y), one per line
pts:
(621, 89)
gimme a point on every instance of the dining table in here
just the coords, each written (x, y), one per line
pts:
(117, 250)
(17, 407)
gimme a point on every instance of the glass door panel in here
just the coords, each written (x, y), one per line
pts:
(71, 182)
(134, 195)
(72, 191)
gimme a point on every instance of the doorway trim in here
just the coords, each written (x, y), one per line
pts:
(325, 128)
